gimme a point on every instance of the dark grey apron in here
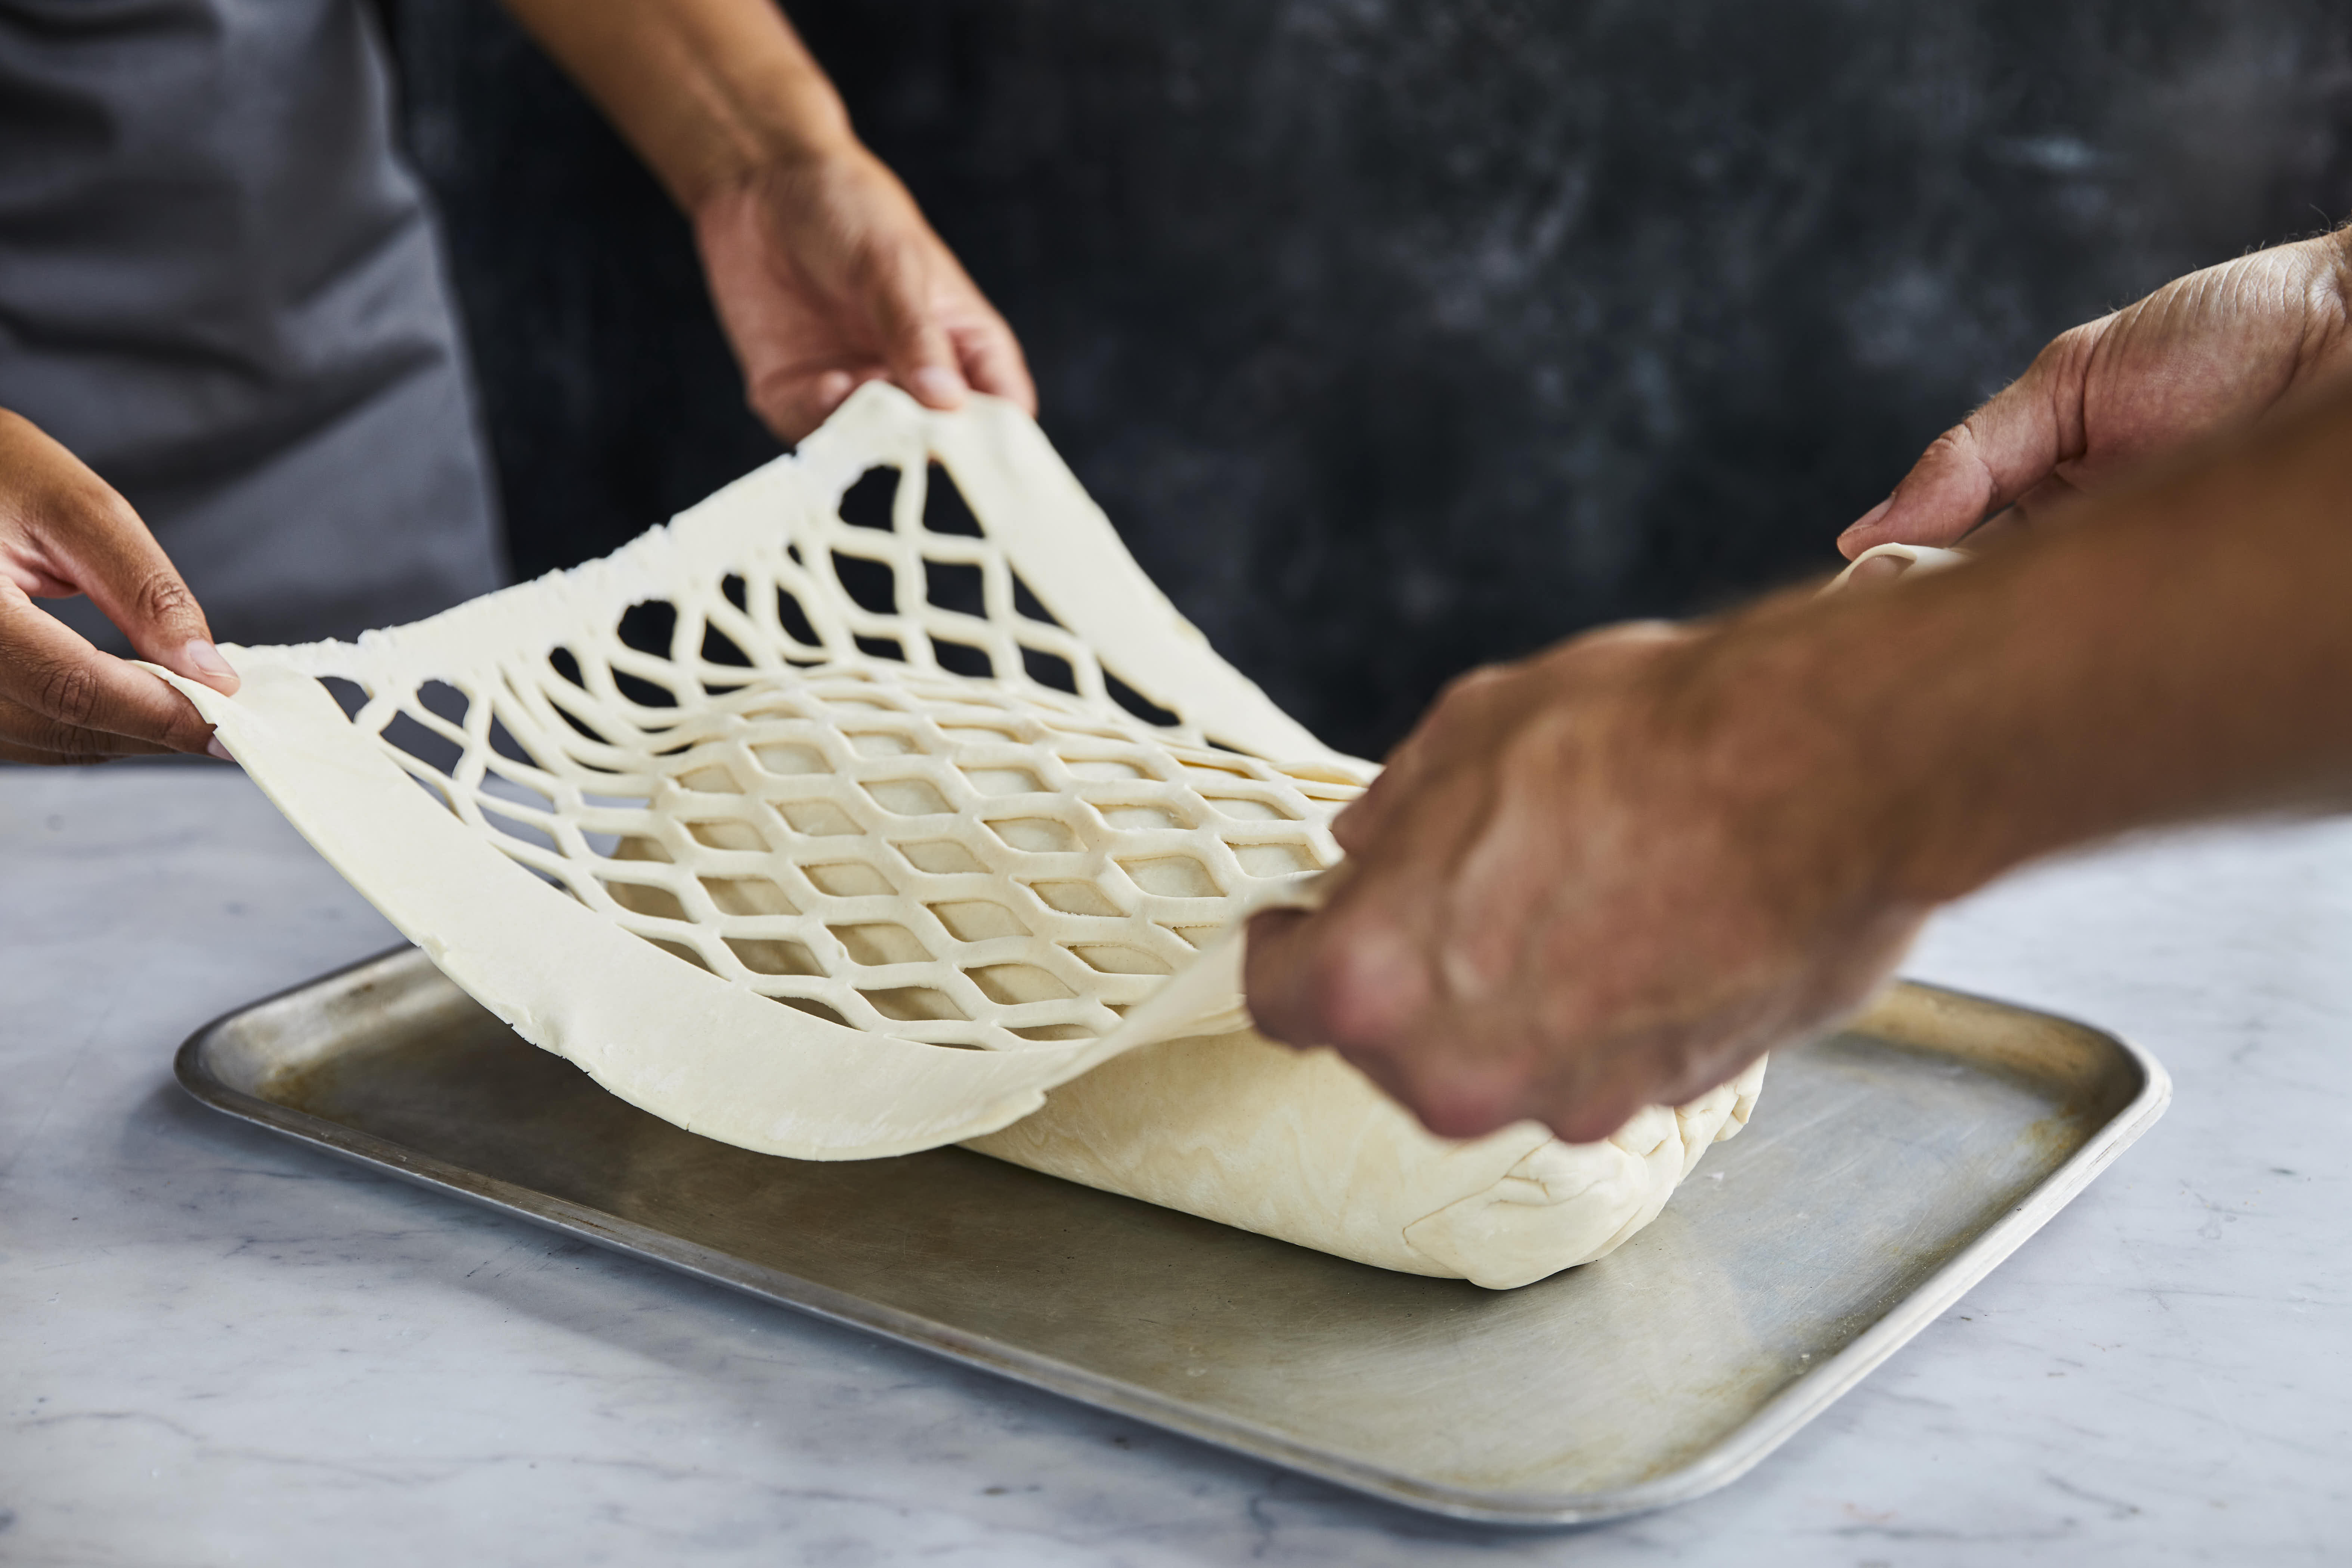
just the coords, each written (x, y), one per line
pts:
(222, 291)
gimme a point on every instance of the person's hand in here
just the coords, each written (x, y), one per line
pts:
(64, 530)
(826, 276)
(2214, 350)
(1568, 897)
(824, 271)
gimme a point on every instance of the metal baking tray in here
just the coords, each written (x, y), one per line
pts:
(1887, 1169)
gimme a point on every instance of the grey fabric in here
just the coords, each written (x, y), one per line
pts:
(221, 289)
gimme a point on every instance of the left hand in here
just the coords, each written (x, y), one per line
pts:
(1577, 891)
(2218, 349)
(826, 276)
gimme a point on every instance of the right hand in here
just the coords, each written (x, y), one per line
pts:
(1607, 876)
(2217, 349)
(64, 530)
(826, 276)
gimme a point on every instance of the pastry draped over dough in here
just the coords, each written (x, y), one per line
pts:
(973, 803)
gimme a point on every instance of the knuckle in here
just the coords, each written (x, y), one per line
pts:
(161, 598)
(69, 693)
(2073, 341)
(2061, 362)
(1958, 442)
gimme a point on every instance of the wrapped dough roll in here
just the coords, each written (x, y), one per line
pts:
(1301, 1146)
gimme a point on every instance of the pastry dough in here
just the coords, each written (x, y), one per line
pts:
(962, 791)
(1921, 558)
(1299, 1146)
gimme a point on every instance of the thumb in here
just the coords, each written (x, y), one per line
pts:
(77, 534)
(117, 565)
(1989, 459)
(915, 344)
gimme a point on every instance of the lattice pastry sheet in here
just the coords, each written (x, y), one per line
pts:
(867, 802)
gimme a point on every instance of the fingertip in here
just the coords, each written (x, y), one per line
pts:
(1879, 569)
(997, 370)
(791, 407)
(201, 660)
(1863, 533)
(1268, 973)
(1589, 1122)
(1355, 828)
(938, 386)
(213, 748)
(821, 400)
(831, 389)
(1463, 1101)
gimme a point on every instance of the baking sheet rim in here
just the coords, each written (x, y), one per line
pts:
(1738, 1451)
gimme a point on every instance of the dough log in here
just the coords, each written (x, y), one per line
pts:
(1301, 1146)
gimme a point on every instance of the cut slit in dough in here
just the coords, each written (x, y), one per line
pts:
(973, 803)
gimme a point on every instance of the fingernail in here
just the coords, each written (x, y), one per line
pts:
(213, 748)
(939, 389)
(1882, 569)
(207, 658)
(1866, 519)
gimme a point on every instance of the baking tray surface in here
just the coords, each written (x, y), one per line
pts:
(1887, 1169)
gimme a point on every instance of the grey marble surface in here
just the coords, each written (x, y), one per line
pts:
(217, 1348)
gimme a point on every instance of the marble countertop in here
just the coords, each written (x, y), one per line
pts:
(217, 1347)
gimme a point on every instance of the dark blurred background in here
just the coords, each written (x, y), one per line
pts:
(1401, 336)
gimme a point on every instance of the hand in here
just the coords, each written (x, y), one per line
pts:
(824, 271)
(64, 530)
(2214, 350)
(1576, 892)
(826, 277)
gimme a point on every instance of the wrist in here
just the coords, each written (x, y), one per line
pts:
(767, 134)
(789, 125)
(1836, 735)
(710, 93)
(792, 184)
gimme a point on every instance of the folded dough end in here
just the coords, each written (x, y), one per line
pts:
(1300, 1146)
(1564, 1204)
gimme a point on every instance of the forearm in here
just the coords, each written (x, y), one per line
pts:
(2182, 650)
(709, 92)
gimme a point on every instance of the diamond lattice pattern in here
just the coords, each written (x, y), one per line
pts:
(867, 774)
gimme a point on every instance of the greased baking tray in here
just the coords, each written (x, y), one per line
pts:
(1887, 1169)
